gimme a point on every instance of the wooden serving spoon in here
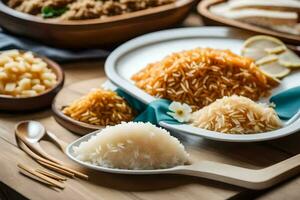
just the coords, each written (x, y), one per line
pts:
(234, 175)
(248, 178)
(243, 177)
(31, 132)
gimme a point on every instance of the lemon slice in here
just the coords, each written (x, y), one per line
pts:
(273, 80)
(255, 54)
(262, 42)
(275, 69)
(276, 50)
(289, 59)
(267, 59)
(255, 47)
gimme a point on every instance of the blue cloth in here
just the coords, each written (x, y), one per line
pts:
(287, 105)
(8, 41)
(287, 102)
(154, 112)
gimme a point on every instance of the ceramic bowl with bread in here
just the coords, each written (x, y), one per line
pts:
(273, 17)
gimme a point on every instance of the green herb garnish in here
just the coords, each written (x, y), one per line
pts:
(49, 12)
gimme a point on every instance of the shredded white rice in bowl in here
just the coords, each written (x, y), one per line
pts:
(132, 145)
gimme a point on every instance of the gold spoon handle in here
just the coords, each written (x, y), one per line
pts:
(38, 149)
(49, 164)
(63, 145)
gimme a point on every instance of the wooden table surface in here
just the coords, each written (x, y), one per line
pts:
(108, 186)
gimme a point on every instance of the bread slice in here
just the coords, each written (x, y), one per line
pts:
(276, 19)
(287, 29)
(279, 5)
(258, 16)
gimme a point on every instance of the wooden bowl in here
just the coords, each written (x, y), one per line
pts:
(93, 32)
(73, 125)
(212, 19)
(68, 95)
(40, 101)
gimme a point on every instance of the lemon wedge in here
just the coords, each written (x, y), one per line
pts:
(267, 59)
(274, 69)
(289, 59)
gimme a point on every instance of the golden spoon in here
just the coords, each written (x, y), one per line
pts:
(31, 132)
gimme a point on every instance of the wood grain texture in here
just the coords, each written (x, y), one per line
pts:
(210, 18)
(108, 186)
(93, 32)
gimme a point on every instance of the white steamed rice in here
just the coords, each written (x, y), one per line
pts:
(133, 145)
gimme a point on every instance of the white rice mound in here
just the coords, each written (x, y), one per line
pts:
(132, 145)
(236, 115)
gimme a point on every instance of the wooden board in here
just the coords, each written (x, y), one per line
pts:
(210, 18)
(66, 96)
(108, 186)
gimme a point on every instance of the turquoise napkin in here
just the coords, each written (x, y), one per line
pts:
(154, 112)
(287, 102)
(287, 105)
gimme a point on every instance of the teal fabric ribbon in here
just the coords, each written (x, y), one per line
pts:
(287, 102)
(154, 112)
(287, 105)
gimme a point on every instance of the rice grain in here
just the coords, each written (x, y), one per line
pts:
(133, 145)
(202, 75)
(100, 107)
(236, 115)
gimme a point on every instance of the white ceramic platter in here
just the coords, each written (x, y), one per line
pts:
(135, 54)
